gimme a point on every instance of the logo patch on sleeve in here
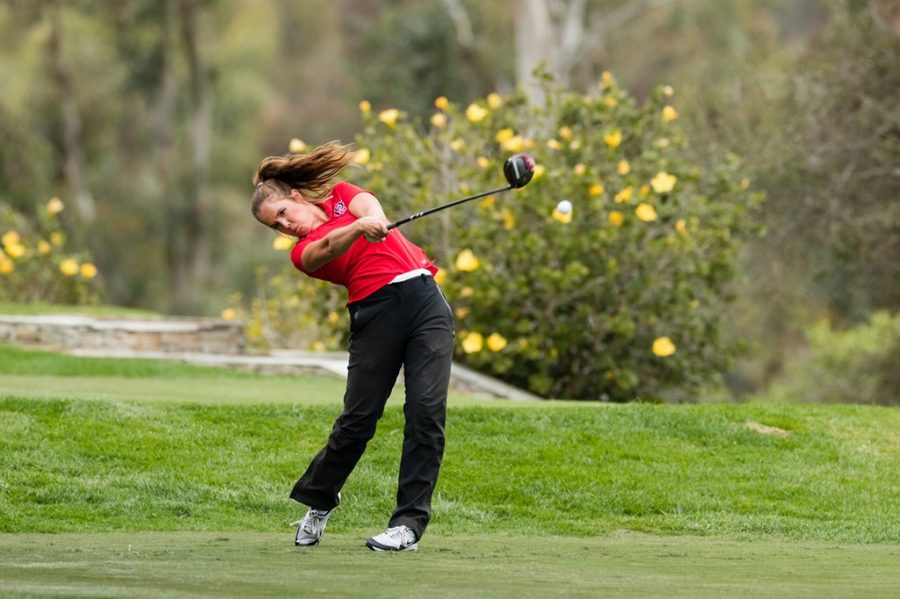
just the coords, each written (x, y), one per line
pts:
(340, 208)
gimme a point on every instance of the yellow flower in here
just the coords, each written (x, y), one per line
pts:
(610, 101)
(488, 202)
(440, 276)
(458, 144)
(528, 143)
(473, 343)
(624, 195)
(6, 265)
(514, 144)
(504, 134)
(613, 139)
(88, 270)
(579, 169)
(466, 261)
(465, 187)
(669, 114)
(476, 113)
(596, 189)
(69, 267)
(680, 226)
(645, 212)
(565, 133)
(365, 107)
(55, 206)
(15, 250)
(623, 168)
(509, 221)
(575, 144)
(563, 218)
(494, 101)
(663, 182)
(389, 117)
(57, 238)
(616, 218)
(663, 347)
(553, 144)
(43, 247)
(439, 120)
(496, 342)
(441, 103)
(461, 313)
(606, 78)
(668, 91)
(229, 314)
(296, 146)
(745, 183)
(362, 156)
(10, 238)
(539, 170)
(466, 292)
(333, 317)
(282, 243)
(662, 142)
(483, 162)
(318, 346)
(644, 190)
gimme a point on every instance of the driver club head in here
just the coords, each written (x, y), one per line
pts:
(518, 170)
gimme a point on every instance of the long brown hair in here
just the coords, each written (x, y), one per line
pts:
(309, 173)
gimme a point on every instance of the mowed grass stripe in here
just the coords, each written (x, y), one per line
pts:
(190, 564)
(81, 465)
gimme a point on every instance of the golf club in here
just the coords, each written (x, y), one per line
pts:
(518, 171)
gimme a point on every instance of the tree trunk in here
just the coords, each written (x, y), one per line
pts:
(189, 266)
(71, 119)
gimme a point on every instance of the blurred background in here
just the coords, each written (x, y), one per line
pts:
(147, 119)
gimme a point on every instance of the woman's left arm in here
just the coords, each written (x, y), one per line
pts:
(365, 204)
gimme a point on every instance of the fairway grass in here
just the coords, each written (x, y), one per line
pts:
(165, 480)
(228, 564)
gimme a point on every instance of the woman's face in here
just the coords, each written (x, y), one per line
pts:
(291, 215)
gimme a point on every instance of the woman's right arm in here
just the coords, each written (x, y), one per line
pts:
(322, 251)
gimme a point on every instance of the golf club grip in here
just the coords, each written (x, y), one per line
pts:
(403, 221)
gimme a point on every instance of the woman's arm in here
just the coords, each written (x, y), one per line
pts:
(320, 252)
(365, 204)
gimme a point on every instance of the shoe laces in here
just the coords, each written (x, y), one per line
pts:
(309, 520)
(402, 534)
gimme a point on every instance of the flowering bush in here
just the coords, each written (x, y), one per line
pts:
(619, 298)
(36, 264)
(291, 310)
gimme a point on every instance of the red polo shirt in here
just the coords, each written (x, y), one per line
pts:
(365, 267)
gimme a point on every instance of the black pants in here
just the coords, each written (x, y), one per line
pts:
(408, 324)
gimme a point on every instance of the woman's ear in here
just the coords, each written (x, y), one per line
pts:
(297, 196)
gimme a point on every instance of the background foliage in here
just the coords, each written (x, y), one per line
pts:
(147, 119)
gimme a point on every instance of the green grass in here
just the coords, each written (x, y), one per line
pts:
(154, 565)
(535, 498)
(41, 308)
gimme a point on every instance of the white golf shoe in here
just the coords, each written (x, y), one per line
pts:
(311, 528)
(398, 538)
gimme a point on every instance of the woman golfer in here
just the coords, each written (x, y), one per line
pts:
(398, 316)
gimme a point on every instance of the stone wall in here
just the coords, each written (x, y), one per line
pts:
(70, 332)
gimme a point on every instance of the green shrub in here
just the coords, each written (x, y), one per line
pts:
(291, 310)
(587, 308)
(37, 264)
(858, 365)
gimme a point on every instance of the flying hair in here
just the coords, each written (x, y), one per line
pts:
(309, 173)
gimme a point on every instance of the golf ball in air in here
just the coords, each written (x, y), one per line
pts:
(564, 207)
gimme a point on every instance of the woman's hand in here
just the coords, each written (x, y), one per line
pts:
(374, 228)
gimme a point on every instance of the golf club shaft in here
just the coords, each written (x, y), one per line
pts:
(403, 221)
